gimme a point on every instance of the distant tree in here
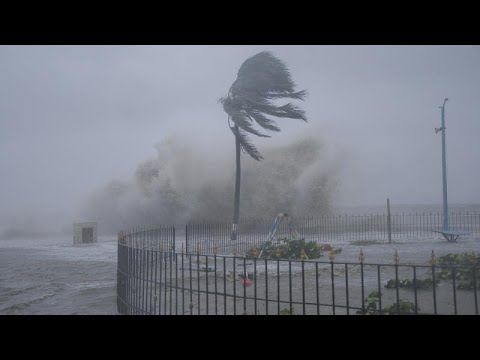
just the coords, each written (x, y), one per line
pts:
(261, 80)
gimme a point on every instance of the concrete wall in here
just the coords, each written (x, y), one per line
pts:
(77, 231)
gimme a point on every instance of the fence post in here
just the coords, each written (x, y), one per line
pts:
(389, 222)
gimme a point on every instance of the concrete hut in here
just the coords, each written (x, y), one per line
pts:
(85, 233)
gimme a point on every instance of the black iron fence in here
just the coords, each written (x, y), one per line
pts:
(333, 228)
(160, 238)
(157, 280)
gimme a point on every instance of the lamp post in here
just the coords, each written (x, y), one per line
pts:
(444, 168)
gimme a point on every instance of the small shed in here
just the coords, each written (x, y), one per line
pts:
(85, 233)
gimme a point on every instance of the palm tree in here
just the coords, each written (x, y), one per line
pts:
(261, 80)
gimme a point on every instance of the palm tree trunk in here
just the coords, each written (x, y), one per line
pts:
(236, 205)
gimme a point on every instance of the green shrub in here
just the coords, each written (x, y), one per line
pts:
(372, 306)
(288, 249)
(286, 311)
(405, 307)
(409, 284)
(465, 277)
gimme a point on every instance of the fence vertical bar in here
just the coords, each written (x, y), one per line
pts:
(475, 288)
(379, 282)
(266, 287)
(144, 278)
(317, 290)
(415, 288)
(346, 290)
(434, 291)
(165, 275)
(255, 286)
(150, 252)
(215, 275)
(176, 283)
(160, 283)
(362, 287)
(244, 286)
(136, 280)
(290, 294)
(198, 282)
(454, 291)
(225, 286)
(183, 281)
(278, 287)
(303, 286)
(397, 289)
(234, 286)
(333, 286)
(206, 281)
(170, 256)
(190, 306)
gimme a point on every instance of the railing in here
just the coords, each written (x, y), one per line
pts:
(146, 240)
(334, 228)
(154, 279)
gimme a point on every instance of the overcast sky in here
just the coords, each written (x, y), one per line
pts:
(72, 118)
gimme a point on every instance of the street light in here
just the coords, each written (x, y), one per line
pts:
(444, 167)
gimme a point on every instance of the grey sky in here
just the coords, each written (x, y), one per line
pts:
(72, 118)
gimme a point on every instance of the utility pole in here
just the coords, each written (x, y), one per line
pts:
(444, 168)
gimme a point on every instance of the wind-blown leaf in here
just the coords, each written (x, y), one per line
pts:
(243, 122)
(246, 145)
(262, 120)
(261, 79)
(264, 74)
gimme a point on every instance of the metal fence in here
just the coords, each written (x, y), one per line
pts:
(153, 280)
(334, 228)
(160, 238)
(147, 240)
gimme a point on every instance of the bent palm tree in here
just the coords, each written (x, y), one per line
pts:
(261, 79)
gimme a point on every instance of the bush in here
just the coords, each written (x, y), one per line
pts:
(288, 249)
(286, 311)
(371, 306)
(409, 284)
(465, 276)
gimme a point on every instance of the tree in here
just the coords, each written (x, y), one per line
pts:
(261, 80)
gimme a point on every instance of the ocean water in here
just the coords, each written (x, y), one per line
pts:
(408, 209)
(50, 275)
(53, 276)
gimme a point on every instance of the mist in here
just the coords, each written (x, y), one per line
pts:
(181, 185)
(77, 126)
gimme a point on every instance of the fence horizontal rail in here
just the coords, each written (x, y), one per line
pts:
(331, 228)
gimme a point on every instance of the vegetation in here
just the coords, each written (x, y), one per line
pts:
(467, 269)
(286, 248)
(409, 284)
(261, 80)
(286, 311)
(372, 306)
(405, 308)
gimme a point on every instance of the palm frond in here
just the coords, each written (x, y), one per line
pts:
(263, 73)
(285, 111)
(245, 144)
(300, 95)
(262, 120)
(243, 121)
(261, 79)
